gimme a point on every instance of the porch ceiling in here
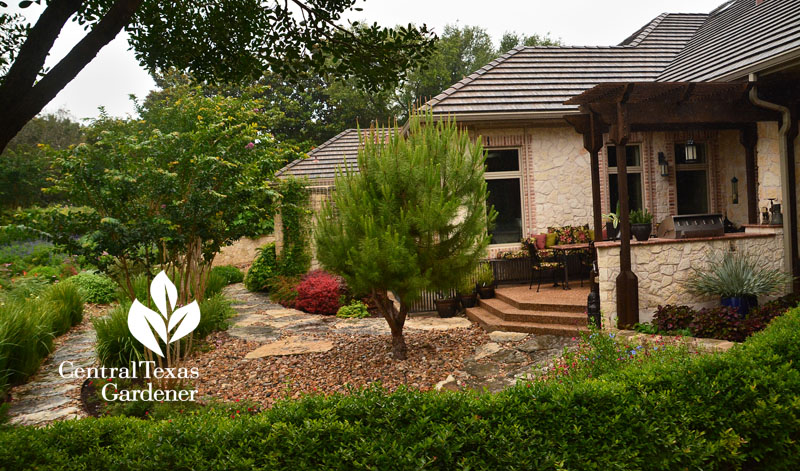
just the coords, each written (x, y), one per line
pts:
(666, 105)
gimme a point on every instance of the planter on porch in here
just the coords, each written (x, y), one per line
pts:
(641, 231)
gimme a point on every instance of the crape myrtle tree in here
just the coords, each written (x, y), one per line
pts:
(228, 40)
(190, 175)
(412, 218)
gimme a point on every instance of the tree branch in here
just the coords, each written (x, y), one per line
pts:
(28, 102)
(37, 45)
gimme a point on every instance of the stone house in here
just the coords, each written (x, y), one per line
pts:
(726, 149)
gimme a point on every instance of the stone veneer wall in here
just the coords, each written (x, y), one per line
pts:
(242, 252)
(768, 161)
(663, 267)
(556, 181)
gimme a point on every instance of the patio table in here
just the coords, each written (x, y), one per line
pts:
(565, 249)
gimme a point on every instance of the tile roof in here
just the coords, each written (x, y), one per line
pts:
(738, 38)
(540, 78)
(323, 161)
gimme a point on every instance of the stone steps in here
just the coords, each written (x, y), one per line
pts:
(541, 313)
(550, 304)
(491, 323)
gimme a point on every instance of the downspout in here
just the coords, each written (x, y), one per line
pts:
(783, 149)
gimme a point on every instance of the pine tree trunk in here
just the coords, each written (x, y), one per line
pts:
(399, 349)
(396, 320)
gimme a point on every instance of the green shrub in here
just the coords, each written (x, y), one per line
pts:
(48, 274)
(263, 269)
(736, 410)
(95, 288)
(229, 273)
(355, 309)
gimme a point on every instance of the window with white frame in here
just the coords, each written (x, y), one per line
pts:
(633, 159)
(503, 179)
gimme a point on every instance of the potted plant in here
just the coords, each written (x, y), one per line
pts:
(485, 281)
(738, 278)
(467, 294)
(446, 307)
(641, 224)
(612, 224)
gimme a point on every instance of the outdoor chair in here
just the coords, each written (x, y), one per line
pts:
(538, 265)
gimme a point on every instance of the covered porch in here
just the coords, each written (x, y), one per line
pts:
(633, 278)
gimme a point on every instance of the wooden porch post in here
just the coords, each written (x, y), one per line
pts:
(627, 282)
(748, 136)
(593, 142)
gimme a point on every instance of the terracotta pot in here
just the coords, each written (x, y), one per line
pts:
(641, 231)
(447, 307)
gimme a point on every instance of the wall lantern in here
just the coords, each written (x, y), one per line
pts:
(662, 164)
(691, 151)
(735, 190)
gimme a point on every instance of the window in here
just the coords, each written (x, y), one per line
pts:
(633, 160)
(505, 194)
(691, 180)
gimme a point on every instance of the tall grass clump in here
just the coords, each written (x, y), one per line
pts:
(28, 324)
(733, 274)
(115, 344)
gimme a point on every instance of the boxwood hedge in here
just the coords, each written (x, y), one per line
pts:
(737, 410)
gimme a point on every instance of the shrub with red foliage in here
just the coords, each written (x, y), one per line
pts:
(672, 317)
(318, 293)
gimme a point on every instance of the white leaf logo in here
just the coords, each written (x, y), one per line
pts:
(143, 321)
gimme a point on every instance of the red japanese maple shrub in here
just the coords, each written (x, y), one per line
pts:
(318, 293)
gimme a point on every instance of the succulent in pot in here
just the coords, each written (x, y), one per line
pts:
(485, 281)
(641, 224)
(738, 278)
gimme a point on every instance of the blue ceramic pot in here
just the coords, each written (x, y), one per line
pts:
(742, 304)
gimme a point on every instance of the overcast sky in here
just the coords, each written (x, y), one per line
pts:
(114, 74)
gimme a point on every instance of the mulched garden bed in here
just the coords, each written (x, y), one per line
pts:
(355, 360)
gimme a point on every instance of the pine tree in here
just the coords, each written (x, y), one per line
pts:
(413, 217)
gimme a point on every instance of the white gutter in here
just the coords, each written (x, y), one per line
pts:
(783, 150)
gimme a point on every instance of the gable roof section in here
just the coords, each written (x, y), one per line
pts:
(323, 161)
(739, 37)
(538, 79)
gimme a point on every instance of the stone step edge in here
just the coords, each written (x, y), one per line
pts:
(511, 314)
(491, 323)
(533, 306)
